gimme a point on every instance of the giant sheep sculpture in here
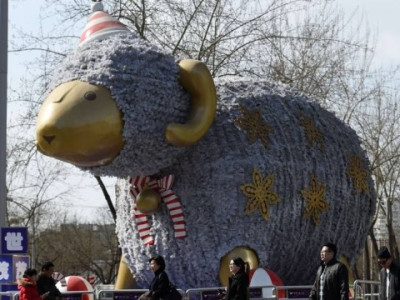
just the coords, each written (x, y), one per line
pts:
(272, 177)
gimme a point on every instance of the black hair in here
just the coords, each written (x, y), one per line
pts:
(244, 266)
(332, 247)
(159, 260)
(384, 253)
(29, 273)
(47, 265)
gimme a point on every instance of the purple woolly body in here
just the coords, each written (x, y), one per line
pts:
(208, 181)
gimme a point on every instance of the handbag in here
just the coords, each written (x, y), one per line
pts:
(145, 296)
(173, 293)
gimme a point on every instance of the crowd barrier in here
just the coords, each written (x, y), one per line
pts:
(366, 290)
(12, 295)
(76, 295)
(362, 289)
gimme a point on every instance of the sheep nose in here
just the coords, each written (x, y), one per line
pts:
(49, 138)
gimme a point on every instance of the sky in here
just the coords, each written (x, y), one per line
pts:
(381, 16)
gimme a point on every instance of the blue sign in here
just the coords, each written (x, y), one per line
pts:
(127, 295)
(11, 288)
(6, 269)
(210, 295)
(77, 296)
(299, 293)
(14, 240)
(214, 295)
(255, 292)
(20, 264)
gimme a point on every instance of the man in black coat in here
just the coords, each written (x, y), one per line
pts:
(389, 276)
(46, 283)
(332, 280)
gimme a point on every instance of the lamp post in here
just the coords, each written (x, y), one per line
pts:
(3, 107)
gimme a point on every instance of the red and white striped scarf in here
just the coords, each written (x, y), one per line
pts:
(162, 186)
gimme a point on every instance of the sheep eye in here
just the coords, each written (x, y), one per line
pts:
(90, 96)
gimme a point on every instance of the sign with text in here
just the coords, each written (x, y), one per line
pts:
(299, 293)
(214, 295)
(76, 296)
(127, 295)
(210, 295)
(20, 264)
(6, 269)
(14, 240)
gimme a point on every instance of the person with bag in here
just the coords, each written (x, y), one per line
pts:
(238, 286)
(160, 287)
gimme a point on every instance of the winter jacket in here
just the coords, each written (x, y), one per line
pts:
(159, 286)
(28, 289)
(47, 284)
(394, 285)
(336, 284)
(238, 287)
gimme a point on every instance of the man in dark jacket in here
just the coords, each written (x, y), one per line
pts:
(46, 283)
(389, 276)
(332, 280)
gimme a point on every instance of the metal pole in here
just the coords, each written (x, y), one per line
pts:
(3, 107)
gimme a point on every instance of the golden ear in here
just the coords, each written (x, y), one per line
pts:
(197, 81)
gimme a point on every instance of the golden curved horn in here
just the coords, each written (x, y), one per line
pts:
(197, 81)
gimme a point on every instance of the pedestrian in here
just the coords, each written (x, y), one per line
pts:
(160, 287)
(27, 286)
(389, 276)
(332, 280)
(46, 283)
(238, 285)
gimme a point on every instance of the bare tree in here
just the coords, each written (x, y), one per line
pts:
(379, 125)
(81, 249)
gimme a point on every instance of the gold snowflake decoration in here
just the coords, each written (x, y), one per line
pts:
(314, 196)
(255, 126)
(313, 134)
(260, 194)
(358, 174)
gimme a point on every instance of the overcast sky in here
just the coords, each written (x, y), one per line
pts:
(382, 17)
